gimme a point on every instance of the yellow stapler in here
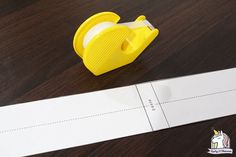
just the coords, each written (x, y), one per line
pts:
(105, 45)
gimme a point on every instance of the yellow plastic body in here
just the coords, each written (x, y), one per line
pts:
(114, 46)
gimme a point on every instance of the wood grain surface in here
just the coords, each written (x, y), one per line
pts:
(37, 61)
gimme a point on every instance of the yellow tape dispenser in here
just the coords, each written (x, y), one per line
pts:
(105, 45)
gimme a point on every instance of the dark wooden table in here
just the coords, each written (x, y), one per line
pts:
(37, 61)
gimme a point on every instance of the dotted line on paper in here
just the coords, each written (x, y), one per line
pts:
(67, 120)
(198, 96)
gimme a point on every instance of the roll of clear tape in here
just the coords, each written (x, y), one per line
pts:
(104, 25)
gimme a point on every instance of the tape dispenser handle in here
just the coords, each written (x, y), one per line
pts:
(129, 46)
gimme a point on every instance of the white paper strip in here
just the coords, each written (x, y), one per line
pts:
(76, 120)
